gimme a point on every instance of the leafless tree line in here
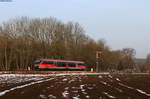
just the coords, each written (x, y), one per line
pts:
(146, 66)
(22, 40)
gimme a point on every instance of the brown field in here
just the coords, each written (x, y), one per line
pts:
(74, 85)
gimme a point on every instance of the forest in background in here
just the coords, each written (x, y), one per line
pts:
(23, 40)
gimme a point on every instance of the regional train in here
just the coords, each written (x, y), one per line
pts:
(59, 65)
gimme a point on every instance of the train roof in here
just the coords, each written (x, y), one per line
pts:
(63, 60)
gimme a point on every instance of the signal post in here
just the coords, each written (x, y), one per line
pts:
(98, 56)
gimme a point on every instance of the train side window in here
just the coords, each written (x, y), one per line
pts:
(81, 64)
(48, 62)
(61, 64)
(72, 64)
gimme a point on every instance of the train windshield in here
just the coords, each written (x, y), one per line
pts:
(37, 62)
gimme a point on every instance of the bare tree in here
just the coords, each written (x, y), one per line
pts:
(22, 40)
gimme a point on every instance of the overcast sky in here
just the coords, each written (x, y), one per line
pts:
(122, 23)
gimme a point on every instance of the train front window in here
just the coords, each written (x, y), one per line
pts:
(72, 64)
(48, 62)
(37, 62)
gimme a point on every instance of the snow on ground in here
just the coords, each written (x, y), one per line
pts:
(22, 86)
(76, 97)
(17, 78)
(104, 79)
(121, 84)
(36, 78)
(65, 94)
(108, 95)
(51, 97)
(142, 92)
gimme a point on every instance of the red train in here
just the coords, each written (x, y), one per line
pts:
(48, 64)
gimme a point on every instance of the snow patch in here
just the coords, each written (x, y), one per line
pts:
(87, 96)
(100, 76)
(108, 95)
(117, 79)
(103, 82)
(125, 86)
(64, 79)
(118, 89)
(81, 87)
(71, 81)
(42, 96)
(85, 93)
(65, 94)
(90, 87)
(66, 88)
(76, 97)
(110, 76)
(51, 97)
(22, 86)
(142, 92)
